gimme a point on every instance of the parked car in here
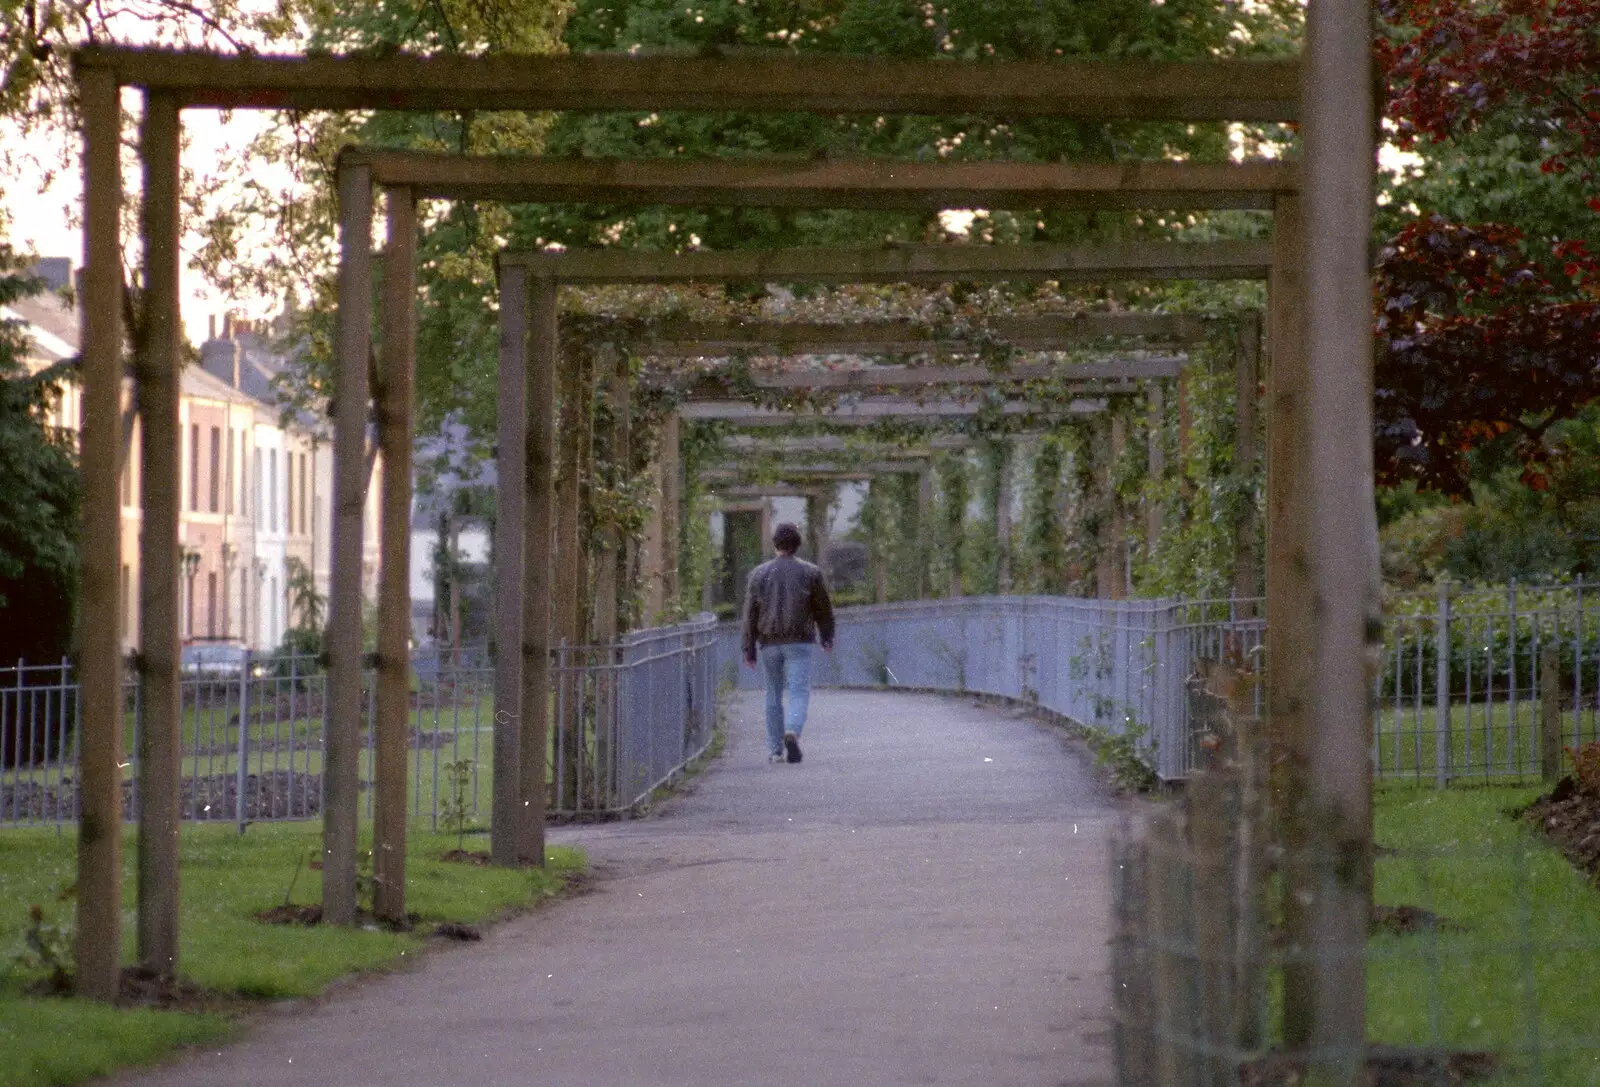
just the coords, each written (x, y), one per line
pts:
(217, 661)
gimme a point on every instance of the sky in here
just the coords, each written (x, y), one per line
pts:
(45, 223)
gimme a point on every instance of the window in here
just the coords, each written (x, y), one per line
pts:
(211, 604)
(258, 482)
(272, 489)
(229, 487)
(213, 493)
(288, 484)
(194, 467)
(127, 479)
(302, 494)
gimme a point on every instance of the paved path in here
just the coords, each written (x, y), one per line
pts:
(922, 901)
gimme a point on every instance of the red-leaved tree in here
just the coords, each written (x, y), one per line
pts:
(1481, 331)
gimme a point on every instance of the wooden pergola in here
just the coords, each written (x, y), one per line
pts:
(1323, 585)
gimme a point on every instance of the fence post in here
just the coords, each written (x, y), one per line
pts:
(1441, 691)
(1549, 714)
(240, 775)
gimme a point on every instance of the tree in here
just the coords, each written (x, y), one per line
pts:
(1487, 303)
(39, 497)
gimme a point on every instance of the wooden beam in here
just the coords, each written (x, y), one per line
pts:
(157, 367)
(97, 943)
(871, 411)
(678, 337)
(1248, 90)
(864, 184)
(919, 264)
(828, 470)
(392, 719)
(787, 445)
(353, 348)
(910, 377)
(543, 355)
(1247, 383)
(1342, 548)
(510, 548)
(1291, 626)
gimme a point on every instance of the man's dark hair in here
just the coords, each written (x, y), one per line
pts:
(786, 538)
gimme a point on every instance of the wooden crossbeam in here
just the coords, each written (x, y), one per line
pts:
(867, 412)
(813, 470)
(1240, 90)
(874, 185)
(789, 445)
(911, 377)
(918, 264)
(676, 338)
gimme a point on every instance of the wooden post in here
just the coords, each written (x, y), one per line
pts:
(509, 545)
(1002, 517)
(671, 511)
(1108, 565)
(393, 715)
(1342, 536)
(1290, 627)
(160, 696)
(543, 349)
(1441, 688)
(584, 611)
(97, 947)
(353, 347)
(568, 566)
(924, 534)
(1246, 586)
(1121, 574)
(1549, 714)
(1176, 1020)
(613, 373)
(1156, 463)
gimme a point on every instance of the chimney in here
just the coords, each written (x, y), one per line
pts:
(211, 327)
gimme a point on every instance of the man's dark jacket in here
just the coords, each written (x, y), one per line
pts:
(785, 603)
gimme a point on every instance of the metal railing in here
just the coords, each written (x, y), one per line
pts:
(1116, 665)
(1472, 678)
(625, 719)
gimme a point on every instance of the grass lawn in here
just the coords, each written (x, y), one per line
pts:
(226, 880)
(1517, 968)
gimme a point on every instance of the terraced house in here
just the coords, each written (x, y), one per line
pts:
(257, 480)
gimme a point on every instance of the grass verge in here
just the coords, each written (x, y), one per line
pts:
(1514, 967)
(226, 881)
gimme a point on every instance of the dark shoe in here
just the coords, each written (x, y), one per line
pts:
(791, 744)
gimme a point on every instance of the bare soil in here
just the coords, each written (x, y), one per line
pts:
(1386, 1067)
(1569, 816)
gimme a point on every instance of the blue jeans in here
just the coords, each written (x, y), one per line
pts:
(788, 672)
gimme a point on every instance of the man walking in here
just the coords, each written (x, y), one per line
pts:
(786, 607)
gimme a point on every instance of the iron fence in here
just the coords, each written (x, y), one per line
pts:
(624, 719)
(1474, 681)
(1117, 665)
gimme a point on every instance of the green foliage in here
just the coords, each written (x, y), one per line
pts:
(952, 496)
(981, 553)
(1204, 494)
(40, 495)
(1118, 754)
(1044, 551)
(47, 950)
(455, 809)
